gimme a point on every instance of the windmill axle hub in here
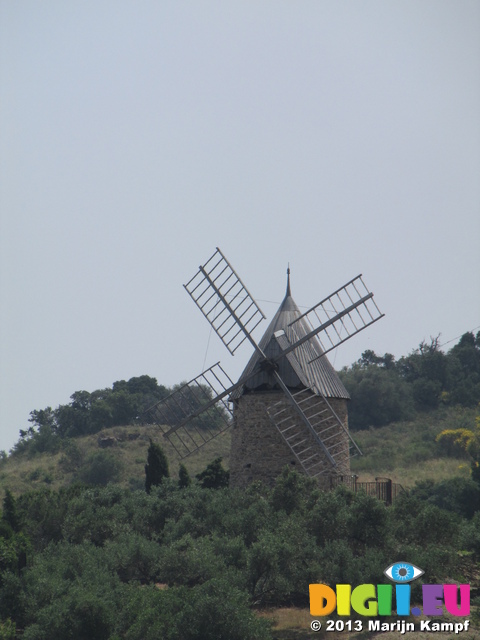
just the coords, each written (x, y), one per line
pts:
(268, 366)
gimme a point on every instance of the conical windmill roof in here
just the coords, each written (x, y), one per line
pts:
(296, 372)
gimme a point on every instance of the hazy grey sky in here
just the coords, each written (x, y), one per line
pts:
(342, 137)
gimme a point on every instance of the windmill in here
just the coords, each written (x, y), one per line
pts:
(288, 406)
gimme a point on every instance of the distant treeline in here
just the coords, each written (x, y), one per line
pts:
(88, 413)
(382, 389)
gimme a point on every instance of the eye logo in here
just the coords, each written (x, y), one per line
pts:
(403, 572)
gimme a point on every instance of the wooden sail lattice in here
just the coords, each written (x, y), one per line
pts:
(196, 412)
(337, 318)
(225, 301)
(313, 422)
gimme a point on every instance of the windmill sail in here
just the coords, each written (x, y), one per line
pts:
(313, 439)
(337, 318)
(313, 422)
(225, 301)
(196, 412)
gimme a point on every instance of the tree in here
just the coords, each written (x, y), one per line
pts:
(9, 514)
(457, 495)
(426, 370)
(379, 396)
(214, 476)
(157, 466)
(463, 371)
(184, 479)
(291, 489)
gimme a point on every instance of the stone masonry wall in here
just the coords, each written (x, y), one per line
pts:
(259, 452)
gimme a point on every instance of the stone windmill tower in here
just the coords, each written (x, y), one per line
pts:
(289, 406)
(259, 451)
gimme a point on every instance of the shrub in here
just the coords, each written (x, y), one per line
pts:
(214, 476)
(470, 535)
(7, 630)
(72, 457)
(209, 611)
(217, 610)
(367, 522)
(100, 468)
(189, 561)
(457, 495)
(379, 396)
(434, 526)
(454, 442)
(291, 491)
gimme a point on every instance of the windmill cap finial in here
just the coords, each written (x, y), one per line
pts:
(288, 281)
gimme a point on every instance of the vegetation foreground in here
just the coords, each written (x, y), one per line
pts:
(190, 562)
(97, 542)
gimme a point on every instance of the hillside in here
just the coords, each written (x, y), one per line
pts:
(120, 451)
(406, 452)
(397, 409)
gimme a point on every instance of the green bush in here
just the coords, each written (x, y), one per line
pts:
(327, 519)
(470, 535)
(456, 495)
(71, 593)
(434, 526)
(291, 491)
(97, 515)
(72, 457)
(217, 610)
(378, 396)
(211, 611)
(7, 630)
(13, 599)
(214, 476)
(100, 468)
(189, 561)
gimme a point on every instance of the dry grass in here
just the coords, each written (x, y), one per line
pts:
(407, 452)
(292, 622)
(22, 473)
(436, 469)
(400, 451)
(288, 618)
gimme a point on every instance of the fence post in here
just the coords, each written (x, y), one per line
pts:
(388, 497)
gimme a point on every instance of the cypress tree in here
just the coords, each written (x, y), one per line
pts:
(9, 514)
(184, 479)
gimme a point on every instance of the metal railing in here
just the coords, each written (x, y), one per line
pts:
(382, 488)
